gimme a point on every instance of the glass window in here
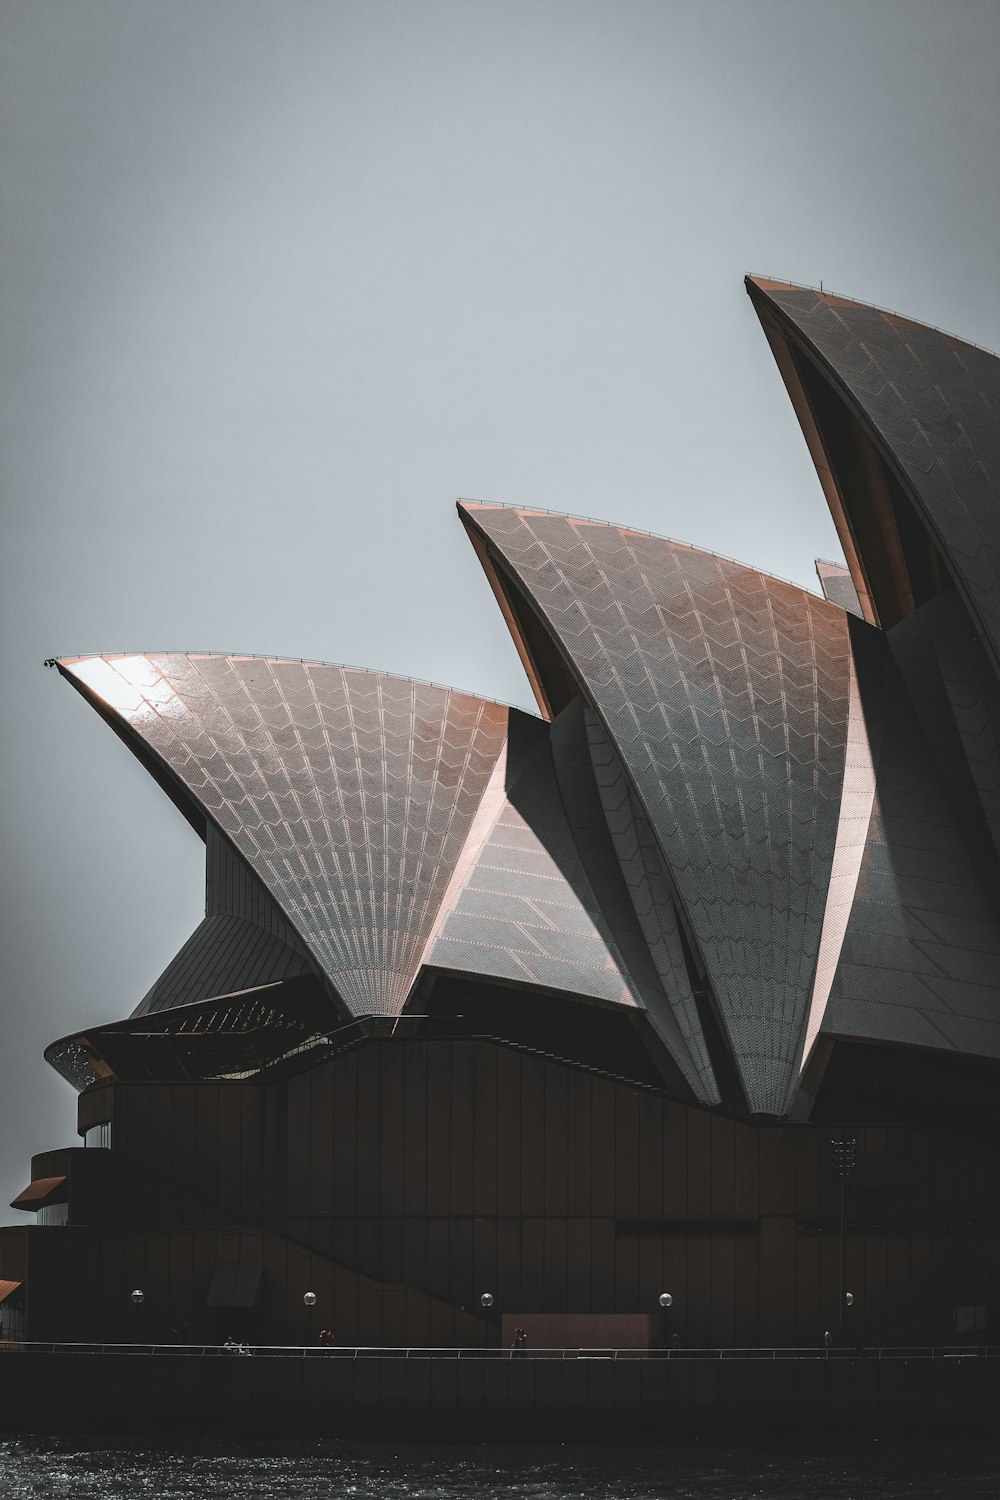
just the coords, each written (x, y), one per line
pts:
(98, 1135)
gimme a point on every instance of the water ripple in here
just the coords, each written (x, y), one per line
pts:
(33, 1467)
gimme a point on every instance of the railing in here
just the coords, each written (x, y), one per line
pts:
(355, 1352)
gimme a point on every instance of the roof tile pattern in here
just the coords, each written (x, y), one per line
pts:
(726, 694)
(838, 586)
(934, 402)
(526, 911)
(348, 793)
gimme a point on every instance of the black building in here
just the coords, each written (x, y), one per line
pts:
(583, 1008)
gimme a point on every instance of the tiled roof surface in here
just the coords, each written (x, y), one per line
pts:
(726, 695)
(349, 794)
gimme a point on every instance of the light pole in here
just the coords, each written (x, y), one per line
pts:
(844, 1158)
(309, 1302)
(137, 1298)
(666, 1301)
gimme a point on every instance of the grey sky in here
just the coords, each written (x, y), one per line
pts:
(282, 279)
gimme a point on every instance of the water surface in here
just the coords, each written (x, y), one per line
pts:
(97, 1468)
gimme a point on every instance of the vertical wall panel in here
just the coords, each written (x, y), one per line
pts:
(778, 1256)
(461, 1127)
(345, 1135)
(415, 1128)
(746, 1171)
(485, 1143)
(809, 1313)
(439, 1128)
(603, 1265)
(414, 1250)
(721, 1328)
(626, 1152)
(463, 1289)
(555, 1141)
(897, 1289)
(675, 1160)
(438, 1257)
(699, 1165)
(532, 1136)
(578, 1264)
(556, 1264)
(300, 1125)
(745, 1262)
(777, 1170)
(723, 1189)
(369, 1128)
(626, 1273)
(602, 1146)
(391, 1130)
(532, 1265)
(578, 1169)
(484, 1257)
(508, 1131)
(650, 1156)
(509, 1291)
(206, 1165)
(698, 1298)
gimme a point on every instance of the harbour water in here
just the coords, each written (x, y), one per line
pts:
(327, 1470)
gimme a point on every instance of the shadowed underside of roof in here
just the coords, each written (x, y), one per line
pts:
(725, 693)
(920, 962)
(903, 422)
(242, 943)
(348, 794)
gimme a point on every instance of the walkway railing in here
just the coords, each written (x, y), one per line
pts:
(355, 1352)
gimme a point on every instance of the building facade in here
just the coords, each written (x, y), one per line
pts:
(690, 984)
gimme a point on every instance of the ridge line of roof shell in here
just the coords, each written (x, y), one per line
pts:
(762, 283)
(304, 661)
(657, 536)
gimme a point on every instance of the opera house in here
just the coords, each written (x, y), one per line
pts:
(689, 985)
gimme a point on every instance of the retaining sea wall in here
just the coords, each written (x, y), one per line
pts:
(491, 1398)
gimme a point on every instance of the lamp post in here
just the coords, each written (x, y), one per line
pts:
(137, 1298)
(844, 1159)
(666, 1301)
(309, 1302)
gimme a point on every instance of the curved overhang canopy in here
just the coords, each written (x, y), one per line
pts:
(726, 694)
(903, 424)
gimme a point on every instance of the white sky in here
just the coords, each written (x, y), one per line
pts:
(281, 279)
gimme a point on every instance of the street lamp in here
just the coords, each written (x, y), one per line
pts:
(666, 1301)
(137, 1298)
(309, 1302)
(843, 1159)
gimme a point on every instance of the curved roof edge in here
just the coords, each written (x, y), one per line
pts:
(467, 506)
(758, 279)
(438, 742)
(60, 662)
(902, 421)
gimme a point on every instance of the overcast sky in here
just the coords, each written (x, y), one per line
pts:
(282, 279)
